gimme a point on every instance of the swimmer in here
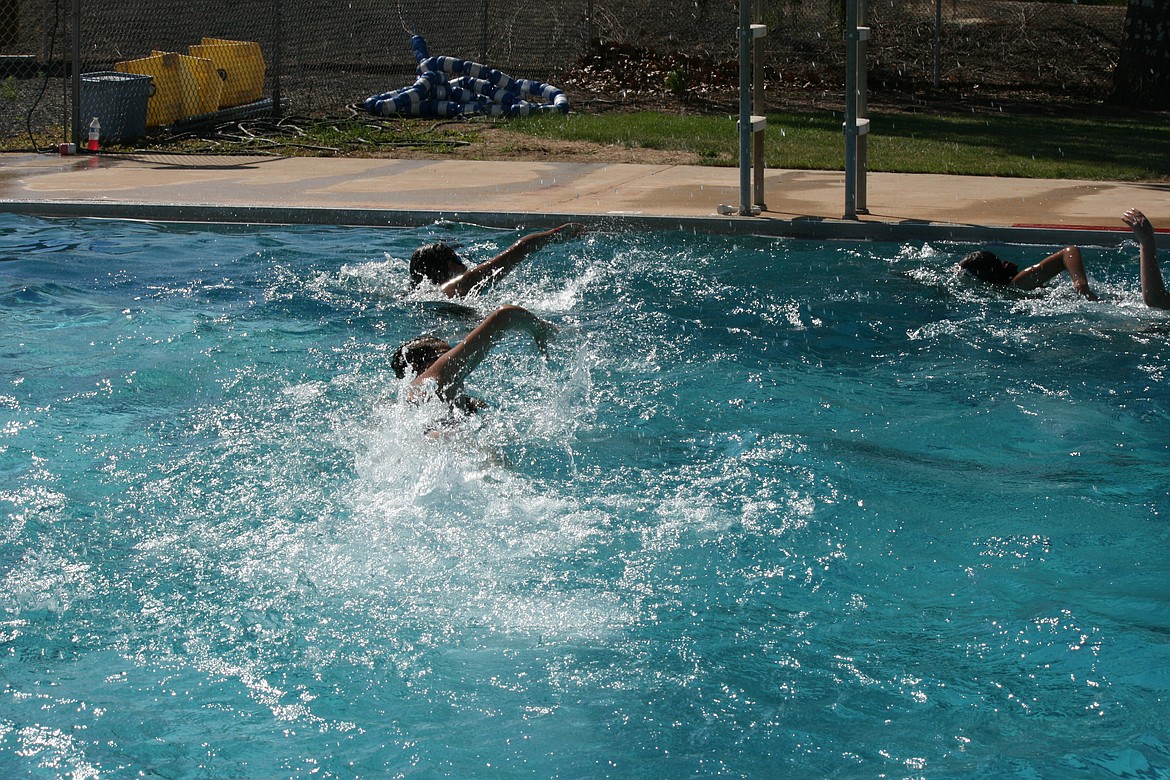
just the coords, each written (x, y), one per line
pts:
(1153, 289)
(988, 267)
(440, 368)
(442, 266)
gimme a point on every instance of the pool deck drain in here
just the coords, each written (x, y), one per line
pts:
(392, 193)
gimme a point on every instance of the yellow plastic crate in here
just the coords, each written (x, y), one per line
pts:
(175, 88)
(209, 86)
(240, 65)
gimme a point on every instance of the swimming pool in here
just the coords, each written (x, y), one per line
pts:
(772, 508)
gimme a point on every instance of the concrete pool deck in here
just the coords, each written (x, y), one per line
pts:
(390, 192)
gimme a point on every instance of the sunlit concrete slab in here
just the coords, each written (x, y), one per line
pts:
(405, 192)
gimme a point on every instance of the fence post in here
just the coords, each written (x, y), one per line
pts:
(483, 33)
(937, 43)
(277, 51)
(75, 74)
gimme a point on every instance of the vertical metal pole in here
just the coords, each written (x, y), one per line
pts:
(277, 52)
(75, 74)
(862, 106)
(850, 109)
(483, 32)
(937, 43)
(745, 114)
(758, 107)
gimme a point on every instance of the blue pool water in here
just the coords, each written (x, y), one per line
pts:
(772, 508)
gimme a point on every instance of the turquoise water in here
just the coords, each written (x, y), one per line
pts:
(772, 508)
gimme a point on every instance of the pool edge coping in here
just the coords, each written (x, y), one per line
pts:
(821, 228)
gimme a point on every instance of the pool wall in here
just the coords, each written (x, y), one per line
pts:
(801, 227)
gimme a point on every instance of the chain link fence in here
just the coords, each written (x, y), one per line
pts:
(1047, 52)
(226, 58)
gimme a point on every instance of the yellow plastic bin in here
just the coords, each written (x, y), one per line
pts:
(209, 86)
(176, 90)
(240, 65)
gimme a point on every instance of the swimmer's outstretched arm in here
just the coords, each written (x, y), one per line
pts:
(1067, 259)
(1153, 289)
(491, 271)
(454, 365)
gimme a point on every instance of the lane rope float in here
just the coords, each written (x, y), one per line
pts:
(450, 87)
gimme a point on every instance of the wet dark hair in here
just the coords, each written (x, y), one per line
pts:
(431, 262)
(988, 267)
(417, 355)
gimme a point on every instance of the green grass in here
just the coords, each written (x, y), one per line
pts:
(1103, 148)
(711, 138)
(1099, 147)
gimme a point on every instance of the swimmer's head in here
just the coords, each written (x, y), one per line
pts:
(417, 356)
(988, 267)
(437, 262)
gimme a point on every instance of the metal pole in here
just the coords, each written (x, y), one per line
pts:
(862, 106)
(745, 114)
(758, 107)
(75, 74)
(277, 52)
(937, 43)
(850, 109)
(483, 33)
